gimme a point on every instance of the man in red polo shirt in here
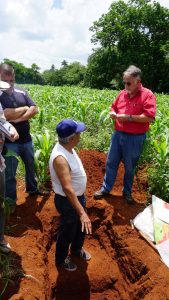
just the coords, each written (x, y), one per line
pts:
(133, 111)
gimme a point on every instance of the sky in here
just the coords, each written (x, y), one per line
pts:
(46, 32)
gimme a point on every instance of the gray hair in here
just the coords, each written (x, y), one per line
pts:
(133, 71)
(65, 140)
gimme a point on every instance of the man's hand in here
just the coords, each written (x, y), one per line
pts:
(86, 223)
(14, 134)
(112, 115)
(122, 117)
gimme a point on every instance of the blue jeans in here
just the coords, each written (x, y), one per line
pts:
(70, 232)
(2, 197)
(25, 151)
(127, 148)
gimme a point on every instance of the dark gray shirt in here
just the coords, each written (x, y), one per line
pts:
(18, 98)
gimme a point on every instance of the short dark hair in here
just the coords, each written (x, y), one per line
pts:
(7, 69)
(133, 71)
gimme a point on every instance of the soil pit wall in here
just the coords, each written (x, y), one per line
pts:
(123, 265)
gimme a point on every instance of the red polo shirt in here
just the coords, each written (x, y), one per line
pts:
(144, 102)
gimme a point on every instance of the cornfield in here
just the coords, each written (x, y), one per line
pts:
(92, 107)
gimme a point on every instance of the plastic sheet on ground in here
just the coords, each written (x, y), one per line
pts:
(153, 221)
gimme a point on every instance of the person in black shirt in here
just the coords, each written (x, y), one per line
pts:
(18, 109)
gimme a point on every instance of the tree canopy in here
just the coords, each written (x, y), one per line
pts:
(24, 74)
(136, 33)
(68, 74)
(132, 33)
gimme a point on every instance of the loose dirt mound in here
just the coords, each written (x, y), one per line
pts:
(123, 265)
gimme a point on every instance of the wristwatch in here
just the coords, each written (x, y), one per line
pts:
(130, 118)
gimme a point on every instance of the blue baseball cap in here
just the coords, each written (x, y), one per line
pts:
(67, 127)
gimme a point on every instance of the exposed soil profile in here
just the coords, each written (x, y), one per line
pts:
(123, 265)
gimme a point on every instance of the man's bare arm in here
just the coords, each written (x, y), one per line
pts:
(135, 118)
(142, 118)
(14, 113)
(29, 113)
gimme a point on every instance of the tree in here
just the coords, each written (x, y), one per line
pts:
(52, 67)
(24, 74)
(138, 31)
(72, 74)
(101, 68)
(49, 77)
(64, 63)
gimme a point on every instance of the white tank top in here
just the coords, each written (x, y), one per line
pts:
(77, 171)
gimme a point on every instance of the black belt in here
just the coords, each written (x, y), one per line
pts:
(130, 133)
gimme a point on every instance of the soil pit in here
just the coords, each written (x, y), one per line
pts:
(123, 265)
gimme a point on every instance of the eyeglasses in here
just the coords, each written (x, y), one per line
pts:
(127, 83)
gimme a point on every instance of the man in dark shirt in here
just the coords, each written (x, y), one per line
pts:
(18, 109)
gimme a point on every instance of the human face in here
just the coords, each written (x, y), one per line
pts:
(77, 138)
(131, 84)
(9, 79)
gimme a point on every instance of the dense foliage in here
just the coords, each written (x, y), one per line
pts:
(24, 74)
(136, 33)
(92, 107)
(68, 74)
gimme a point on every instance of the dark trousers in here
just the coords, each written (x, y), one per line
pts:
(70, 232)
(25, 151)
(126, 147)
(2, 197)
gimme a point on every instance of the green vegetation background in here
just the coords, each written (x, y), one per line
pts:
(133, 32)
(92, 107)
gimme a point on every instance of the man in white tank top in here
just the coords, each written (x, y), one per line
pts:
(69, 184)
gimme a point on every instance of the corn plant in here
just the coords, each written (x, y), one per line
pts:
(8, 203)
(9, 272)
(159, 171)
(5, 271)
(43, 145)
(91, 106)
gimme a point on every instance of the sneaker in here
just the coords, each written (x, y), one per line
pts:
(85, 255)
(100, 194)
(5, 247)
(129, 199)
(68, 265)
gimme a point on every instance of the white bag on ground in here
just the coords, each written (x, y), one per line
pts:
(144, 222)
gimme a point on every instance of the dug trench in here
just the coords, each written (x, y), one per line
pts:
(123, 265)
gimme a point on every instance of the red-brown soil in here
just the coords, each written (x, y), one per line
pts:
(123, 265)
